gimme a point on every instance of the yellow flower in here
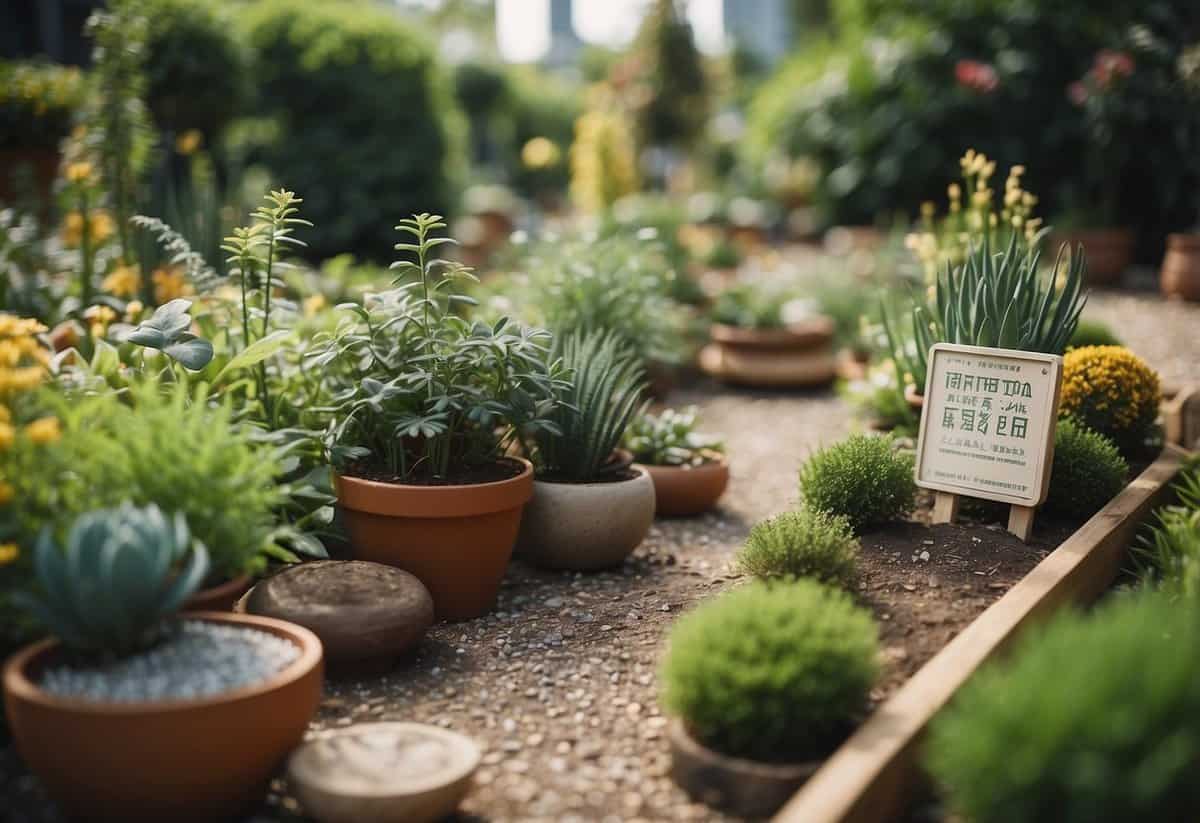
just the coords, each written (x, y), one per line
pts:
(540, 153)
(99, 222)
(5, 414)
(79, 171)
(15, 381)
(124, 281)
(8, 553)
(189, 142)
(6, 493)
(133, 310)
(313, 304)
(7, 435)
(169, 284)
(44, 430)
(13, 326)
(10, 353)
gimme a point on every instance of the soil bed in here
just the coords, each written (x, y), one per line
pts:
(503, 469)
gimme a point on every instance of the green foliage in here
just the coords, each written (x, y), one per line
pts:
(421, 391)
(593, 411)
(803, 543)
(1088, 471)
(751, 306)
(863, 478)
(122, 573)
(364, 121)
(674, 108)
(1000, 300)
(37, 103)
(196, 67)
(1092, 333)
(1094, 719)
(1168, 552)
(671, 439)
(772, 672)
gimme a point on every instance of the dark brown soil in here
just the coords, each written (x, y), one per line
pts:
(503, 469)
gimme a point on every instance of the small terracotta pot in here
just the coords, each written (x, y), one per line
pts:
(457, 540)
(1108, 251)
(747, 788)
(201, 760)
(586, 526)
(1180, 276)
(798, 355)
(681, 491)
(220, 598)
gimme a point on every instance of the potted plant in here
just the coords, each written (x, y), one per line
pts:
(689, 469)
(1180, 275)
(764, 336)
(426, 405)
(591, 508)
(130, 714)
(763, 683)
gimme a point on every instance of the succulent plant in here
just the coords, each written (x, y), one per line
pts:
(671, 439)
(122, 573)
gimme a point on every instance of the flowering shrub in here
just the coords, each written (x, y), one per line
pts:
(1110, 390)
(603, 159)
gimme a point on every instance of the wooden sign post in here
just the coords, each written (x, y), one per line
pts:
(987, 429)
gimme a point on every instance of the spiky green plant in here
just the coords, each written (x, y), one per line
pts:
(604, 394)
(1001, 300)
(1168, 553)
(123, 572)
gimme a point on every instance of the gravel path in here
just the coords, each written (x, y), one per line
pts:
(559, 685)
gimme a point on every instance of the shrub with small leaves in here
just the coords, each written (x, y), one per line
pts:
(804, 543)
(1096, 719)
(1088, 471)
(1111, 390)
(775, 672)
(863, 478)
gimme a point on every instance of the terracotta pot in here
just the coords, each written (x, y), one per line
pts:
(586, 526)
(747, 788)
(220, 598)
(683, 491)
(457, 540)
(200, 760)
(1181, 267)
(41, 163)
(797, 355)
(915, 401)
(1108, 251)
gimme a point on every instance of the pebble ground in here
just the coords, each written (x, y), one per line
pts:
(559, 683)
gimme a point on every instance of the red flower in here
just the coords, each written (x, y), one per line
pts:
(976, 76)
(1109, 64)
(1077, 93)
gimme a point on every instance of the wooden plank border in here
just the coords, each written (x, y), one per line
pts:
(871, 777)
(1181, 417)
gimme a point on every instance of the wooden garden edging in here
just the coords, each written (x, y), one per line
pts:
(871, 777)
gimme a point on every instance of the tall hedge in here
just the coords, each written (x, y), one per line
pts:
(365, 125)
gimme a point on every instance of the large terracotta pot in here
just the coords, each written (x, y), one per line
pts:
(798, 355)
(457, 540)
(41, 163)
(219, 598)
(1108, 251)
(1181, 267)
(682, 491)
(203, 760)
(586, 526)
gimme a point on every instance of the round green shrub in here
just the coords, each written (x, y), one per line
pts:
(1088, 471)
(864, 478)
(1094, 720)
(197, 68)
(365, 122)
(1092, 333)
(771, 672)
(804, 543)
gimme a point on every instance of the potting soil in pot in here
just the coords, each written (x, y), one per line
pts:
(200, 660)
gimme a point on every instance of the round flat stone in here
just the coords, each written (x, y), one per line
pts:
(383, 773)
(361, 611)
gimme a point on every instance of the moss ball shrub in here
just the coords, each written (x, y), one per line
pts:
(771, 672)
(364, 120)
(864, 478)
(1088, 471)
(1111, 390)
(1094, 720)
(804, 543)
(1092, 333)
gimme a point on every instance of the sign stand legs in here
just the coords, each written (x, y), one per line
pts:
(1020, 521)
(945, 507)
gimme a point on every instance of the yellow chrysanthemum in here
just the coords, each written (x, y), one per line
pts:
(170, 284)
(123, 281)
(540, 153)
(189, 142)
(313, 304)
(79, 172)
(7, 436)
(1111, 390)
(43, 431)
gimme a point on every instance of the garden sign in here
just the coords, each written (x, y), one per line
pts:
(987, 429)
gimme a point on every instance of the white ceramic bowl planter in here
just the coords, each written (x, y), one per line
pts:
(587, 526)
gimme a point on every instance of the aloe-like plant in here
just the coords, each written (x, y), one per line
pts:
(597, 406)
(1001, 300)
(123, 572)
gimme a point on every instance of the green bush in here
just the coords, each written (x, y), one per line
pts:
(364, 121)
(1095, 719)
(804, 543)
(1088, 471)
(1092, 333)
(197, 68)
(1168, 553)
(863, 478)
(772, 672)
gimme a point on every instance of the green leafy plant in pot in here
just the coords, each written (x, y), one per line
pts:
(240, 690)
(426, 406)
(591, 508)
(689, 469)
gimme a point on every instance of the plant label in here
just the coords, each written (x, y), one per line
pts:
(987, 426)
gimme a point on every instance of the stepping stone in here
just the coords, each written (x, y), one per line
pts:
(364, 613)
(383, 773)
